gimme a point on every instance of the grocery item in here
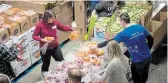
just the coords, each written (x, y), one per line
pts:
(99, 52)
(12, 11)
(74, 35)
(27, 12)
(17, 18)
(49, 38)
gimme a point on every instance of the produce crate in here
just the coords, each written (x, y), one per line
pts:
(157, 31)
(146, 18)
(143, 18)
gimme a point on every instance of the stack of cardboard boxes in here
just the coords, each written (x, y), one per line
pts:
(30, 52)
(158, 25)
(16, 22)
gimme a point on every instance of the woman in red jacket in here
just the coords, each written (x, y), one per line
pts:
(47, 27)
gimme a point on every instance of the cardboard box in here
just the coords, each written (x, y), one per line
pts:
(14, 29)
(30, 34)
(4, 35)
(63, 6)
(33, 19)
(160, 16)
(157, 31)
(65, 16)
(24, 25)
(21, 66)
(146, 18)
(35, 56)
(81, 17)
(24, 36)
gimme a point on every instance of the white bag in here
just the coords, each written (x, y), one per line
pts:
(44, 48)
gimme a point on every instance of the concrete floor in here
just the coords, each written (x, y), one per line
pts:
(157, 74)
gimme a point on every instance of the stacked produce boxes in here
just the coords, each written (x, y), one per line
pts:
(158, 25)
(15, 21)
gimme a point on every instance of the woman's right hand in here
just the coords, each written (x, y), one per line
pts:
(45, 41)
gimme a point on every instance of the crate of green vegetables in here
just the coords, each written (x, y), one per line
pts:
(140, 13)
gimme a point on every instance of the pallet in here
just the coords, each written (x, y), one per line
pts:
(15, 80)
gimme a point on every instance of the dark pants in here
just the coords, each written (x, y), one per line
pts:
(56, 53)
(140, 71)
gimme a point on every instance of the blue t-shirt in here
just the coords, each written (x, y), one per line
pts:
(134, 38)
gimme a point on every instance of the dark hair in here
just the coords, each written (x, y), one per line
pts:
(47, 15)
(125, 17)
(4, 79)
(74, 74)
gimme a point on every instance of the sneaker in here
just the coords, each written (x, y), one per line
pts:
(43, 74)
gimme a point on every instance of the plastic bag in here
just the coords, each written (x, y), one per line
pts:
(44, 48)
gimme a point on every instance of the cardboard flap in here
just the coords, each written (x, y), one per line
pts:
(164, 9)
(155, 25)
(163, 16)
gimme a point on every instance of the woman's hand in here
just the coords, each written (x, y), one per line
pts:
(45, 41)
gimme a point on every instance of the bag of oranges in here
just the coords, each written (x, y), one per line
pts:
(74, 35)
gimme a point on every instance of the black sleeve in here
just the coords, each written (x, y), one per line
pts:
(103, 44)
(150, 41)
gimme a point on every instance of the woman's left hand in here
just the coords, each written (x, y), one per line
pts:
(73, 25)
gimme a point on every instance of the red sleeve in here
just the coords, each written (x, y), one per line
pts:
(62, 27)
(37, 33)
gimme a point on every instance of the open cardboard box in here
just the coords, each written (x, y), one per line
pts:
(145, 18)
(157, 31)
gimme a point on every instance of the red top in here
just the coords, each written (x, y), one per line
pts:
(43, 30)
